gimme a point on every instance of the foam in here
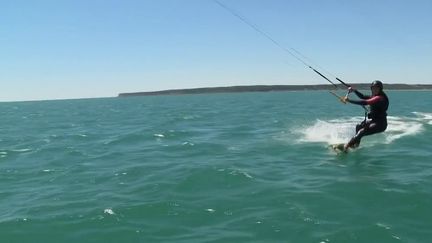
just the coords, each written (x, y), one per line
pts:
(399, 127)
(341, 130)
(423, 116)
(331, 132)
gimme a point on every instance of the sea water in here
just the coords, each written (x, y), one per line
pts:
(239, 167)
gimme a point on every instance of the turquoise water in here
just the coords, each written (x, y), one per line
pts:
(249, 167)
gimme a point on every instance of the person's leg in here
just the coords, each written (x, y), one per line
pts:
(359, 127)
(369, 128)
(355, 141)
(360, 130)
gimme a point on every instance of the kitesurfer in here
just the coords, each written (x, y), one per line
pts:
(377, 115)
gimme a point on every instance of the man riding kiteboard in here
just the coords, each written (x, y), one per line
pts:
(377, 116)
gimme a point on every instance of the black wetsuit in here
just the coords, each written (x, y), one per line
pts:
(377, 116)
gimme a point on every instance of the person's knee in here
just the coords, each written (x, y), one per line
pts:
(359, 127)
(361, 132)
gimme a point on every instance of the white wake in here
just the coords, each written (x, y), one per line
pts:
(341, 130)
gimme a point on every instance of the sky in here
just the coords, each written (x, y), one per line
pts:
(63, 49)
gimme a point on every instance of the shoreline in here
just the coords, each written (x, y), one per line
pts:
(275, 88)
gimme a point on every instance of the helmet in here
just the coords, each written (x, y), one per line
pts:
(378, 84)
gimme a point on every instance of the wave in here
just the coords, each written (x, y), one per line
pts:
(331, 132)
(399, 127)
(341, 130)
(423, 116)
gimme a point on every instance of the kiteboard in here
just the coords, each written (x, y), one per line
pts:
(338, 148)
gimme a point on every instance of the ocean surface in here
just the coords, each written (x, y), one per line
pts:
(239, 167)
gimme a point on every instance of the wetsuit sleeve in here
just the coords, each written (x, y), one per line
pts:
(360, 95)
(373, 100)
(358, 102)
(369, 101)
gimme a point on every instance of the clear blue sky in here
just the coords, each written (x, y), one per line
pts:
(53, 49)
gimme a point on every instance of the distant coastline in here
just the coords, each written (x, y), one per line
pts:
(268, 88)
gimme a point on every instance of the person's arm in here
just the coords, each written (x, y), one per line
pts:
(361, 96)
(358, 93)
(369, 101)
(356, 102)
